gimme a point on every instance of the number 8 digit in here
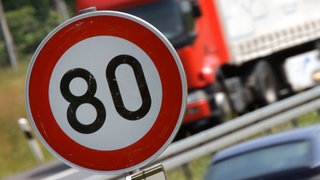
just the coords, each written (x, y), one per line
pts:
(76, 101)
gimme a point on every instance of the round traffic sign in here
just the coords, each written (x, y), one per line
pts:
(106, 92)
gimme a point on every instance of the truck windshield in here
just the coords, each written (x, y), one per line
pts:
(261, 162)
(164, 15)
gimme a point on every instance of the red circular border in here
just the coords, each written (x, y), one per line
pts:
(38, 93)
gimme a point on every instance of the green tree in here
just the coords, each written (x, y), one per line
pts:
(29, 31)
(42, 9)
(15, 4)
(29, 22)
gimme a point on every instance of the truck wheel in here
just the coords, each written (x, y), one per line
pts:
(224, 107)
(265, 85)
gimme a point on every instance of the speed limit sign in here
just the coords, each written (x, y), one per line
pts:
(106, 92)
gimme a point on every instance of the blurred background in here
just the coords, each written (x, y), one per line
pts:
(25, 23)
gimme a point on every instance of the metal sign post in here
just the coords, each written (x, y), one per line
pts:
(153, 173)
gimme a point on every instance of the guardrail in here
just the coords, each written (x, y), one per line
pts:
(238, 129)
(230, 133)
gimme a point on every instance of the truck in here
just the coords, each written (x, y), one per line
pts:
(238, 55)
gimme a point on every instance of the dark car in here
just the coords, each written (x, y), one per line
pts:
(293, 154)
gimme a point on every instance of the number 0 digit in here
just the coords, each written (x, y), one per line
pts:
(115, 91)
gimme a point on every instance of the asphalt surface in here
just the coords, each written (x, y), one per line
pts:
(54, 170)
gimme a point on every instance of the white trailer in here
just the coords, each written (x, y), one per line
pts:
(273, 47)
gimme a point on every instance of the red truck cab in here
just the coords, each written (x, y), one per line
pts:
(200, 48)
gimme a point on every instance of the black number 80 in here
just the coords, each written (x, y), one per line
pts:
(89, 95)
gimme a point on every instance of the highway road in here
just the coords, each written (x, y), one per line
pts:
(54, 170)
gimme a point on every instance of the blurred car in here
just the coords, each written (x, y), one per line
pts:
(293, 154)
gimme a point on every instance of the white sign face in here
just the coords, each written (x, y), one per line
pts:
(106, 97)
(110, 134)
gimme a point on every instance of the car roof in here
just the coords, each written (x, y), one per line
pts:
(306, 133)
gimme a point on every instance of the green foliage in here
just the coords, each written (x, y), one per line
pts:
(42, 9)
(3, 54)
(14, 4)
(72, 5)
(27, 30)
(29, 22)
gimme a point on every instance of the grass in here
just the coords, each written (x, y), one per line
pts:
(197, 170)
(15, 155)
(12, 107)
